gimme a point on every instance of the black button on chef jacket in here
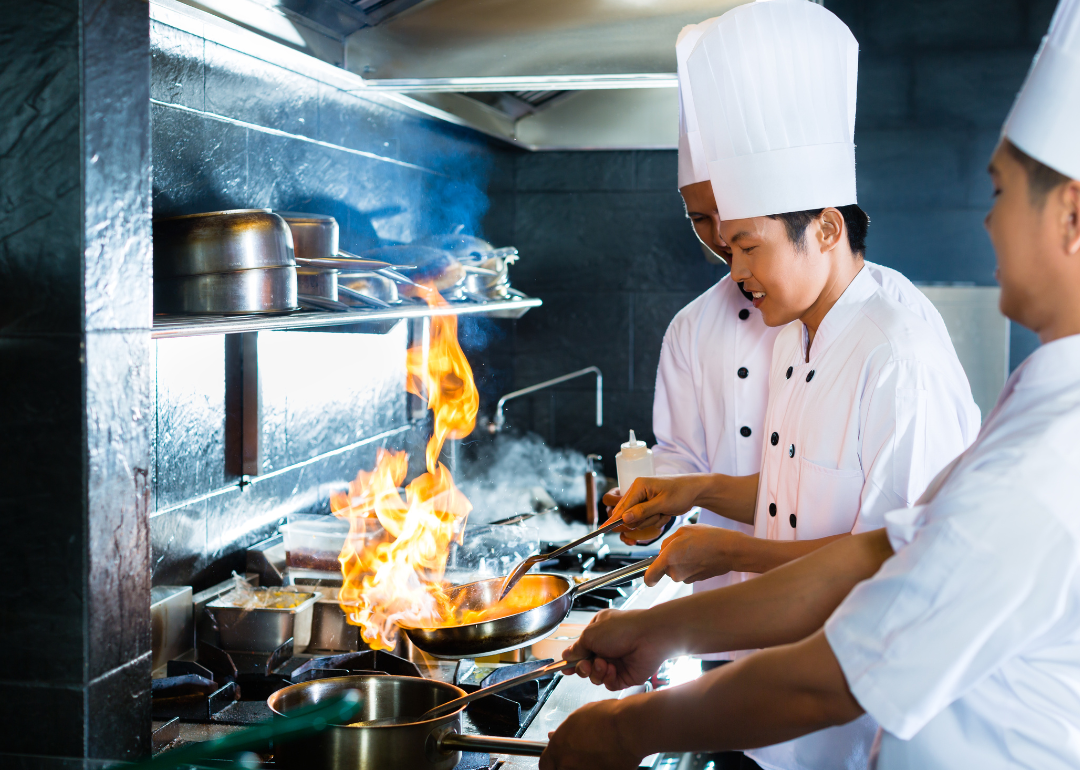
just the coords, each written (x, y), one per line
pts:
(744, 314)
(745, 430)
(743, 372)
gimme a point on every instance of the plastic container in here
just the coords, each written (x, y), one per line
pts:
(635, 460)
(314, 542)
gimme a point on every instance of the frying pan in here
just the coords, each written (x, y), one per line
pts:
(423, 743)
(489, 637)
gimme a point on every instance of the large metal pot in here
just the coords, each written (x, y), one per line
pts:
(426, 744)
(221, 242)
(271, 290)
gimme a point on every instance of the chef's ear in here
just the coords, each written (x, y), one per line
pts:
(830, 229)
(1070, 196)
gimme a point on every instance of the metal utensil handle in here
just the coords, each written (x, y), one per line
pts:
(629, 571)
(506, 684)
(611, 525)
(487, 744)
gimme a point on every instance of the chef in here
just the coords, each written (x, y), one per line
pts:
(960, 630)
(712, 379)
(866, 401)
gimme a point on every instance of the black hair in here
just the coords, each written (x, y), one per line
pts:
(1041, 178)
(855, 220)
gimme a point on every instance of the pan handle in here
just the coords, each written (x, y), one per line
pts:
(491, 745)
(629, 571)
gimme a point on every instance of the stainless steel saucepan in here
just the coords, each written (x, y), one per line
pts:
(550, 597)
(406, 740)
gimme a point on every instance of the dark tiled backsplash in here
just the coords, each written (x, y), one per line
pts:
(230, 131)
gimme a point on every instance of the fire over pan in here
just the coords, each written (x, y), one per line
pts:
(552, 598)
(422, 744)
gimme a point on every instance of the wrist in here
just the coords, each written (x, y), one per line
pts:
(635, 727)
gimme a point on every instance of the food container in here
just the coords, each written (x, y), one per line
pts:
(243, 292)
(259, 626)
(172, 623)
(553, 646)
(314, 542)
(221, 242)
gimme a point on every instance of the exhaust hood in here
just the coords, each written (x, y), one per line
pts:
(542, 74)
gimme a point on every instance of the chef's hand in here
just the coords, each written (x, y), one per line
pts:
(591, 738)
(619, 649)
(652, 500)
(637, 535)
(696, 552)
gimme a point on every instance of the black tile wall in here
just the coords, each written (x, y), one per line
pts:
(74, 340)
(387, 176)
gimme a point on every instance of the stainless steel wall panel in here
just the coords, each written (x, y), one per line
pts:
(190, 446)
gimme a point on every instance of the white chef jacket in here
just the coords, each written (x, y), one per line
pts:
(712, 387)
(965, 646)
(861, 429)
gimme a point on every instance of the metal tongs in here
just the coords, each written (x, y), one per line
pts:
(519, 571)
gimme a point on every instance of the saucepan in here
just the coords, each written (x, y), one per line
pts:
(401, 735)
(548, 599)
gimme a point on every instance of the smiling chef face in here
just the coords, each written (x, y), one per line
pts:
(787, 276)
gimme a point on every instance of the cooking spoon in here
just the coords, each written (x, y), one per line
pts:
(527, 564)
(491, 689)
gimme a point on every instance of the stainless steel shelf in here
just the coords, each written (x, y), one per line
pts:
(192, 326)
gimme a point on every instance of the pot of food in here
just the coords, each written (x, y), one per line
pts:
(401, 737)
(221, 242)
(534, 609)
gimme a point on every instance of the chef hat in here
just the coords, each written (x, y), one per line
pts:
(692, 165)
(774, 86)
(1045, 120)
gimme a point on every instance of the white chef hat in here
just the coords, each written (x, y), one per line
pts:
(1045, 120)
(692, 165)
(774, 86)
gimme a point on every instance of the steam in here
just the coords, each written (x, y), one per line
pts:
(521, 474)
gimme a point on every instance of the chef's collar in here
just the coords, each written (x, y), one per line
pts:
(861, 288)
(1050, 364)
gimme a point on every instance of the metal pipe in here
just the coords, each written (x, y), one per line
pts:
(500, 419)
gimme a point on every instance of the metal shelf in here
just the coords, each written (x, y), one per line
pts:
(193, 326)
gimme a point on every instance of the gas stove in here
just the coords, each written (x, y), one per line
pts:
(213, 691)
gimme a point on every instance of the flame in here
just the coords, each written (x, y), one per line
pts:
(393, 570)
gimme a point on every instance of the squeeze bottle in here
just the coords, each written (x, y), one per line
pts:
(634, 460)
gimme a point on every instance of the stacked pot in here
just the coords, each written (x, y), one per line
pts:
(224, 263)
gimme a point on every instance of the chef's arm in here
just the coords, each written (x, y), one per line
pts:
(649, 501)
(766, 698)
(782, 606)
(699, 552)
(620, 649)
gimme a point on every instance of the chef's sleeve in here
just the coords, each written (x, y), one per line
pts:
(989, 568)
(680, 436)
(913, 422)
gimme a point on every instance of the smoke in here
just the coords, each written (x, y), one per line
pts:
(520, 474)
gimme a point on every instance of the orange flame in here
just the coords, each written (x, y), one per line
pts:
(394, 577)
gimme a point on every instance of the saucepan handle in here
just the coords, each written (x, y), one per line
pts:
(487, 744)
(629, 571)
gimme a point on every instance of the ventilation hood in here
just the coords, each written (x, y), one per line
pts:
(542, 74)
